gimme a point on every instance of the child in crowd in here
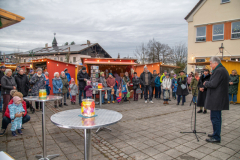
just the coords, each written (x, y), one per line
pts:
(87, 90)
(16, 108)
(174, 86)
(166, 83)
(73, 91)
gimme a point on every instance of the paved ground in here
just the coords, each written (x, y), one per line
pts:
(147, 131)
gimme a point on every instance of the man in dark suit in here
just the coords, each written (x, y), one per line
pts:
(217, 98)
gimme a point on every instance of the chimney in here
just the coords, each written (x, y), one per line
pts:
(46, 45)
(88, 42)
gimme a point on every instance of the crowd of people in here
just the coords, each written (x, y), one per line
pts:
(17, 85)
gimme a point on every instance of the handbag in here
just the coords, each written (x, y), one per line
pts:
(138, 91)
(166, 94)
(183, 86)
(124, 89)
(106, 95)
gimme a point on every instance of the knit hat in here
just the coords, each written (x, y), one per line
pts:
(83, 68)
(135, 72)
(12, 92)
(110, 74)
(16, 99)
(72, 80)
(101, 73)
(19, 94)
(65, 69)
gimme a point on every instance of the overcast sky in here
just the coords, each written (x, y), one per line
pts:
(117, 25)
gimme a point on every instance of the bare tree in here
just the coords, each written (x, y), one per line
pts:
(180, 53)
(141, 53)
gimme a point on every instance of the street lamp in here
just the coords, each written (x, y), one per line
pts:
(221, 50)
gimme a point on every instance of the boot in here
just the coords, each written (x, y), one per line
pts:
(19, 131)
(167, 102)
(14, 134)
(182, 104)
(205, 111)
(200, 111)
(164, 102)
(60, 105)
(65, 104)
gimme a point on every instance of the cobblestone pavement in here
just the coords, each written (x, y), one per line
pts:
(147, 131)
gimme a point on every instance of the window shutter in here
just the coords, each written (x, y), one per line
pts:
(227, 30)
(209, 33)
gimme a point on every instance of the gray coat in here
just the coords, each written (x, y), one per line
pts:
(38, 83)
(217, 98)
(103, 81)
(7, 84)
(74, 89)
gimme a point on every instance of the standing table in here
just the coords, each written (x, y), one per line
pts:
(71, 119)
(100, 103)
(49, 98)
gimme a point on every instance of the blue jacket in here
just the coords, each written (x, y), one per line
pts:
(68, 76)
(13, 109)
(57, 83)
(157, 82)
(174, 83)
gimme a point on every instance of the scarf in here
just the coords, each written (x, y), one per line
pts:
(197, 78)
(182, 77)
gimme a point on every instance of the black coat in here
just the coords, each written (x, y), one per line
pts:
(23, 84)
(217, 90)
(81, 76)
(142, 78)
(202, 95)
(180, 91)
(1, 75)
(136, 82)
(7, 84)
(154, 77)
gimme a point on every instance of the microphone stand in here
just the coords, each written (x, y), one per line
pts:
(195, 119)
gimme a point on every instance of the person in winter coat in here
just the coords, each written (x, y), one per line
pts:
(6, 119)
(2, 70)
(233, 86)
(65, 87)
(7, 84)
(15, 108)
(136, 85)
(111, 83)
(217, 97)
(127, 82)
(146, 79)
(22, 82)
(163, 76)
(57, 88)
(166, 83)
(46, 74)
(189, 79)
(82, 78)
(69, 79)
(38, 82)
(153, 82)
(88, 91)
(182, 90)
(194, 87)
(174, 86)
(157, 87)
(104, 84)
(73, 91)
(203, 91)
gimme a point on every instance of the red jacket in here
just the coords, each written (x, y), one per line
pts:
(111, 82)
(7, 110)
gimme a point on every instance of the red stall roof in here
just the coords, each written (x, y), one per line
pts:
(109, 61)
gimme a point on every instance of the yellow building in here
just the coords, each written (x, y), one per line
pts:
(212, 23)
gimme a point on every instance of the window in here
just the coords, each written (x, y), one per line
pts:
(201, 34)
(61, 58)
(225, 1)
(74, 59)
(235, 30)
(218, 33)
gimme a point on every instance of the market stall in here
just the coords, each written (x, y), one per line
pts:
(52, 66)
